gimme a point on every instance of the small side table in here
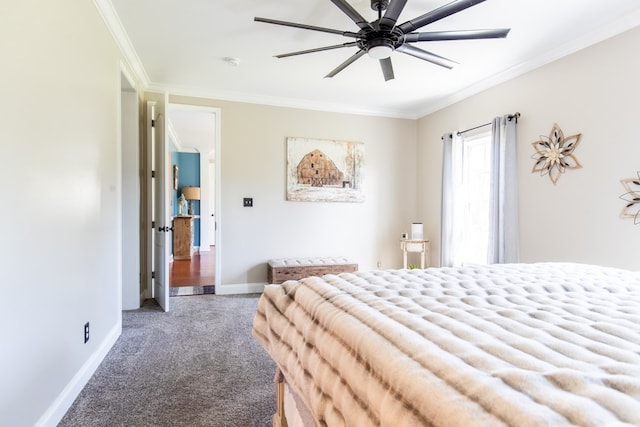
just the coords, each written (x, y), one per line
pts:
(421, 246)
(182, 237)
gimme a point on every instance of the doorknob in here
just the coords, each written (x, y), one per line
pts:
(165, 229)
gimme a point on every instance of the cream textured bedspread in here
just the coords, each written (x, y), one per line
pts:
(521, 345)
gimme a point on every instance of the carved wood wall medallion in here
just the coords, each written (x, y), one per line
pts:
(554, 154)
(632, 197)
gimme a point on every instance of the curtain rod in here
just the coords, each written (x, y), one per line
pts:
(510, 117)
(460, 132)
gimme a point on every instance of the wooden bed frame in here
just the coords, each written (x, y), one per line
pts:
(290, 410)
(279, 418)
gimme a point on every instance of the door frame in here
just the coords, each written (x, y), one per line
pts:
(217, 202)
(147, 241)
(131, 294)
(150, 224)
(156, 221)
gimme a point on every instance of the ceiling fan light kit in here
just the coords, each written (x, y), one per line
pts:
(379, 49)
(380, 38)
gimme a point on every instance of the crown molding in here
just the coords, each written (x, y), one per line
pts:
(280, 101)
(173, 135)
(113, 23)
(601, 34)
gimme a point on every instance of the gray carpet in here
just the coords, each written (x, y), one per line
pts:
(197, 365)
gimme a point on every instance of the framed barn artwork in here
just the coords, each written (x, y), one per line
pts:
(322, 170)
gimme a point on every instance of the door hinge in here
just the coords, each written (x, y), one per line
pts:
(153, 274)
(153, 174)
(153, 225)
(153, 123)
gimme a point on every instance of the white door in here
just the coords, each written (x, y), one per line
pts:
(212, 204)
(160, 203)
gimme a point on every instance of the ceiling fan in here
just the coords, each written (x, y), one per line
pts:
(381, 37)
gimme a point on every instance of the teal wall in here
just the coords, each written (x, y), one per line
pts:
(188, 176)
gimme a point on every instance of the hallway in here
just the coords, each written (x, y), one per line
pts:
(195, 276)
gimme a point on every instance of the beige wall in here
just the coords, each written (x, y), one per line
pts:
(60, 252)
(253, 164)
(594, 92)
(61, 201)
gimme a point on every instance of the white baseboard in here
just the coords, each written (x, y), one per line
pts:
(240, 288)
(65, 399)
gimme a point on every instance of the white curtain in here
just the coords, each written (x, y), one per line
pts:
(503, 204)
(450, 221)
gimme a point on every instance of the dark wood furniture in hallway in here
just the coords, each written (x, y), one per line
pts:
(182, 237)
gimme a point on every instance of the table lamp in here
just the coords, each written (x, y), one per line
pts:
(191, 193)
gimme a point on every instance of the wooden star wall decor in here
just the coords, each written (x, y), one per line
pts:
(632, 197)
(554, 154)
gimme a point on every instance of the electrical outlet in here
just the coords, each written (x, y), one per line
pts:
(247, 202)
(379, 264)
(86, 332)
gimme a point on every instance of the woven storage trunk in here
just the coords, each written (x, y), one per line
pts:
(281, 270)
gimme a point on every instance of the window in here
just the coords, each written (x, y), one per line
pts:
(475, 161)
(479, 218)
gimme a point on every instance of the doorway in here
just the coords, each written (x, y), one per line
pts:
(193, 140)
(132, 293)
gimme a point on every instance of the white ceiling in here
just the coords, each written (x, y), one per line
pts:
(182, 45)
(193, 129)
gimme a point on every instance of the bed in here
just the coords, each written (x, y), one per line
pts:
(547, 344)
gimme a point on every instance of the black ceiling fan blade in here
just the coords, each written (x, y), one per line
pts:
(427, 56)
(392, 13)
(387, 69)
(306, 27)
(352, 13)
(346, 63)
(318, 49)
(498, 33)
(437, 14)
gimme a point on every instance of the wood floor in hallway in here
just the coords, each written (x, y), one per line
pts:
(198, 271)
